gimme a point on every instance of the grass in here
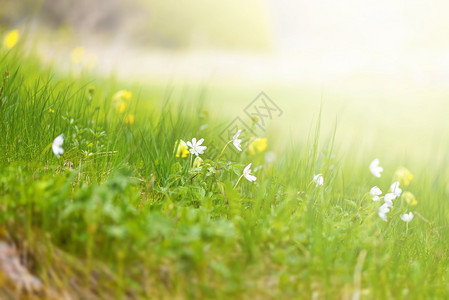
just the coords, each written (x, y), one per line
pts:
(118, 215)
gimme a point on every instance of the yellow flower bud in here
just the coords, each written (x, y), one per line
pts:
(122, 95)
(257, 145)
(197, 162)
(91, 90)
(409, 198)
(11, 39)
(121, 107)
(404, 176)
(182, 150)
(255, 119)
(129, 119)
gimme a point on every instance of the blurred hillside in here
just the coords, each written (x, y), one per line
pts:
(168, 24)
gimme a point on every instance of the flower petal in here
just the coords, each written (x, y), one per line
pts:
(383, 216)
(250, 177)
(374, 163)
(237, 134)
(237, 144)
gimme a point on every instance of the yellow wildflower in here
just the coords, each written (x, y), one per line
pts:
(11, 39)
(197, 162)
(182, 150)
(409, 198)
(51, 110)
(122, 95)
(404, 176)
(77, 55)
(121, 107)
(257, 145)
(119, 100)
(129, 119)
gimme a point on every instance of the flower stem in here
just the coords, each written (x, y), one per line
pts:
(238, 181)
(406, 228)
(221, 153)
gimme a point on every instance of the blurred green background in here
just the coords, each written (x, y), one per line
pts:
(378, 70)
(167, 24)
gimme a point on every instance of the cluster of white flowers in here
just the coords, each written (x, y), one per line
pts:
(196, 148)
(394, 192)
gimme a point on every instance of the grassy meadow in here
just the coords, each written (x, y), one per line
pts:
(118, 207)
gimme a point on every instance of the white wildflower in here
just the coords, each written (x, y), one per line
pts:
(375, 168)
(237, 142)
(195, 147)
(375, 192)
(383, 210)
(389, 199)
(407, 217)
(318, 179)
(57, 145)
(247, 173)
(394, 188)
